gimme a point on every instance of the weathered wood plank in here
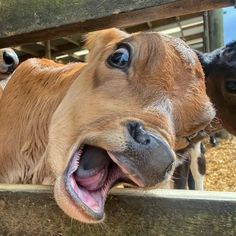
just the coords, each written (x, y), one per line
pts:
(216, 29)
(31, 210)
(29, 21)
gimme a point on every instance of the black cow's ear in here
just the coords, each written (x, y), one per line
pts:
(205, 61)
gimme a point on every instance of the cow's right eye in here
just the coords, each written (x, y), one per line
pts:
(121, 57)
(230, 86)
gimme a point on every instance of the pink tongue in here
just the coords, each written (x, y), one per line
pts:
(91, 182)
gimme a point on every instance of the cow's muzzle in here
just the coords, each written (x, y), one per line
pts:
(147, 159)
(92, 171)
(10, 62)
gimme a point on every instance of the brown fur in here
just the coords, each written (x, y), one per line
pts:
(48, 109)
(24, 134)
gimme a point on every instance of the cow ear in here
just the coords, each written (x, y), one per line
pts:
(205, 61)
(97, 41)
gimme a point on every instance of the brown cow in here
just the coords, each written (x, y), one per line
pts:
(119, 118)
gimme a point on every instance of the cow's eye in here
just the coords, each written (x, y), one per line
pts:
(121, 57)
(230, 86)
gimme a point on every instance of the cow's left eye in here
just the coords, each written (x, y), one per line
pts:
(121, 57)
(230, 86)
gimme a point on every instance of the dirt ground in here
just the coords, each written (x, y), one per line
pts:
(221, 166)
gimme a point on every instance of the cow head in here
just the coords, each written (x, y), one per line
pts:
(8, 62)
(121, 118)
(220, 70)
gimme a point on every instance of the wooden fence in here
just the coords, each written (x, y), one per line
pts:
(27, 21)
(31, 210)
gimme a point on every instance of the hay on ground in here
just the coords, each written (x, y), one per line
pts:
(221, 166)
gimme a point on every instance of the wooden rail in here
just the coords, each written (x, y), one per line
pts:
(31, 210)
(27, 21)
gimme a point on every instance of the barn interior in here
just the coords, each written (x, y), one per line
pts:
(196, 29)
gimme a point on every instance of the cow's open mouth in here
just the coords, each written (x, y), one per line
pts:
(91, 173)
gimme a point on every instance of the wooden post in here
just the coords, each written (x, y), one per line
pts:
(216, 29)
(206, 32)
(48, 49)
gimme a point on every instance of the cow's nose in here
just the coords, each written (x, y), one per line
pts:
(138, 134)
(10, 59)
(151, 156)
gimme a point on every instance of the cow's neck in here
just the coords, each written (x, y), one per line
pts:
(26, 108)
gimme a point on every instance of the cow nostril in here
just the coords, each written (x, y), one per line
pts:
(137, 132)
(143, 139)
(8, 59)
